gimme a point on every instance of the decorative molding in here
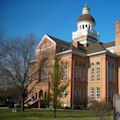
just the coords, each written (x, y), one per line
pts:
(96, 53)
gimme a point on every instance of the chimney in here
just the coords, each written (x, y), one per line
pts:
(117, 32)
(117, 37)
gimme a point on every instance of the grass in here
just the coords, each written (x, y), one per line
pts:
(44, 114)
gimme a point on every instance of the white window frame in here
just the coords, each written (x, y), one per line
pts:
(97, 93)
(92, 93)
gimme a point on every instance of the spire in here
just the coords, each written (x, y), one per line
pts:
(85, 10)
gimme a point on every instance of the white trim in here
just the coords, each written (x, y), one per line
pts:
(116, 46)
(71, 51)
(96, 53)
(32, 61)
(67, 51)
(37, 50)
(45, 36)
(78, 53)
(111, 49)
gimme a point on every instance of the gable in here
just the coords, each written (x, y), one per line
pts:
(46, 42)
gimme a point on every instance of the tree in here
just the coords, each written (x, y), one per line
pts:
(16, 55)
(8, 91)
(100, 109)
(57, 86)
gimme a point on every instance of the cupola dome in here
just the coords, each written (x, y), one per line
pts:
(86, 15)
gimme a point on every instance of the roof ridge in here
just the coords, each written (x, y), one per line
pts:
(109, 44)
(57, 38)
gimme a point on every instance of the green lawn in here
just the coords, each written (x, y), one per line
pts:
(37, 114)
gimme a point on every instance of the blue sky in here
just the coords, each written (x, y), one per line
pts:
(19, 18)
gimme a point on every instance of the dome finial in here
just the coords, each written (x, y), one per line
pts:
(85, 2)
(86, 9)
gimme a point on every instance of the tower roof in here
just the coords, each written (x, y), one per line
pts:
(86, 15)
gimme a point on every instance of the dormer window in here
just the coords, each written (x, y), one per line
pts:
(83, 26)
(80, 26)
(89, 26)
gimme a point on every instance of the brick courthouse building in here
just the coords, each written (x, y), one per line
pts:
(92, 68)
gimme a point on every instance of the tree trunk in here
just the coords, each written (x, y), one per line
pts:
(39, 103)
(22, 103)
(55, 112)
(55, 105)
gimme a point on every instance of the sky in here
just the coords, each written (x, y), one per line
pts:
(19, 18)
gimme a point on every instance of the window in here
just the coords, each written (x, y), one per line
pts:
(75, 72)
(64, 72)
(89, 26)
(92, 93)
(110, 71)
(64, 94)
(97, 70)
(46, 53)
(84, 72)
(83, 26)
(92, 72)
(62, 48)
(45, 73)
(98, 93)
(76, 93)
(80, 72)
(80, 26)
(110, 94)
(83, 92)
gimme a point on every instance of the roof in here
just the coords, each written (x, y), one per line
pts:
(87, 17)
(96, 47)
(81, 49)
(70, 46)
(91, 49)
(110, 44)
(59, 41)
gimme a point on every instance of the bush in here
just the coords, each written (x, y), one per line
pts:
(10, 104)
(100, 109)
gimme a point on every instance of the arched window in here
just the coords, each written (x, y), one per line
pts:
(89, 27)
(92, 65)
(40, 94)
(45, 95)
(36, 95)
(97, 63)
(80, 26)
(83, 26)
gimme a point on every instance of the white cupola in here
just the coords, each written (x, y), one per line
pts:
(85, 33)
